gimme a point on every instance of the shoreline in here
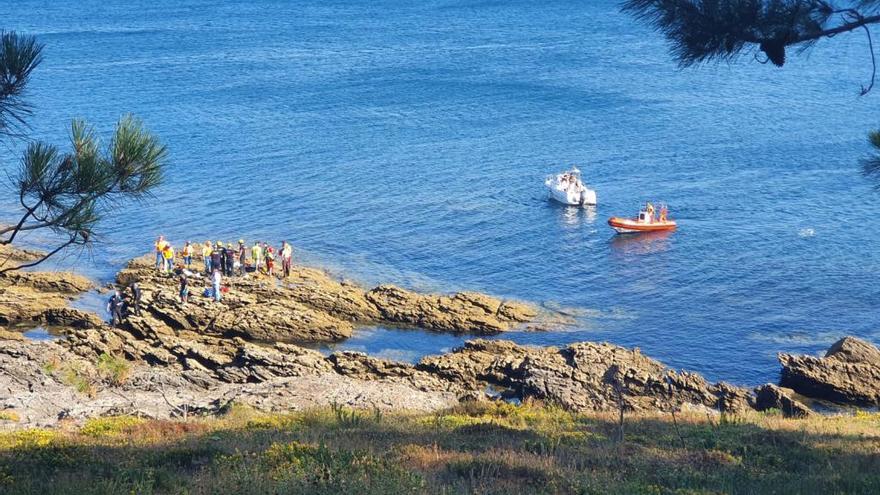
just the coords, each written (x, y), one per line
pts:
(197, 358)
(571, 319)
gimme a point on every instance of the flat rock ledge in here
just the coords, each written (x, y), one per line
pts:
(849, 373)
(178, 372)
(43, 297)
(311, 306)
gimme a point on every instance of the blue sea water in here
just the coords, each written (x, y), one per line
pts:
(406, 142)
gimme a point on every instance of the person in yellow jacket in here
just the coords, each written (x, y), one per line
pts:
(206, 256)
(159, 245)
(168, 256)
(257, 257)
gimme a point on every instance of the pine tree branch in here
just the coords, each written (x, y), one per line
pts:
(73, 240)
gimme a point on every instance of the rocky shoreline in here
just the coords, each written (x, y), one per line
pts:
(177, 360)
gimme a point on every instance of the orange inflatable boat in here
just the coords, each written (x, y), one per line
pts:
(644, 222)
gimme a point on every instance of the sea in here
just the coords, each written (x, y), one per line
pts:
(407, 142)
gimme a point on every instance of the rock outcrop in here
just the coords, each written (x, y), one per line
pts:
(184, 370)
(311, 306)
(849, 373)
(197, 357)
(38, 296)
(44, 383)
(461, 312)
(583, 377)
(770, 396)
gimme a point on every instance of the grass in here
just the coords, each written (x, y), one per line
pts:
(73, 376)
(478, 448)
(113, 369)
(109, 369)
(9, 415)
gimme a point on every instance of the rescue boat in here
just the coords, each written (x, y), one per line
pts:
(644, 222)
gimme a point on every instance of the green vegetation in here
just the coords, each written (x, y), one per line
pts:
(479, 448)
(67, 193)
(113, 369)
(109, 426)
(73, 376)
(701, 31)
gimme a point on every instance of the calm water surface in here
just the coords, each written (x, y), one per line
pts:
(406, 142)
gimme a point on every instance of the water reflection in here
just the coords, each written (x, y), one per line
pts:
(574, 216)
(40, 333)
(641, 243)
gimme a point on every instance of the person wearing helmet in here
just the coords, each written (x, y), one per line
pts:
(219, 247)
(230, 259)
(216, 258)
(168, 255)
(207, 250)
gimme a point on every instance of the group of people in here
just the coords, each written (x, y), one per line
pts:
(649, 209)
(223, 260)
(571, 182)
(118, 306)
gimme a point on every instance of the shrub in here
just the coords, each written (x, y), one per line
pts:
(113, 369)
(9, 415)
(74, 377)
(34, 437)
(109, 425)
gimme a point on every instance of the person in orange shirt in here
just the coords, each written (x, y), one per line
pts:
(187, 254)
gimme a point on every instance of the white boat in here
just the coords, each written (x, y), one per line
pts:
(568, 189)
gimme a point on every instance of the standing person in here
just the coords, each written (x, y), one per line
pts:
(160, 247)
(230, 259)
(286, 257)
(219, 248)
(206, 255)
(216, 258)
(114, 307)
(242, 257)
(217, 280)
(270, 261)
(168, 255)
(184, 288)
(135, 289)
(187, 254)
(257, 255)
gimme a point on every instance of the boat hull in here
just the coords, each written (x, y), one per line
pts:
(629, 225)
(586, 197)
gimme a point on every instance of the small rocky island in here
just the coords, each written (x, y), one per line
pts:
(180, 359)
